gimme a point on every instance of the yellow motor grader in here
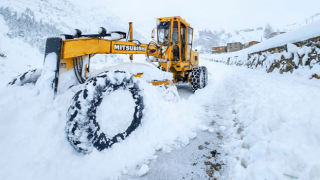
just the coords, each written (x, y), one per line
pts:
(172, 50)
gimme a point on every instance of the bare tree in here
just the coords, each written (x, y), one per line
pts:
(268, 30)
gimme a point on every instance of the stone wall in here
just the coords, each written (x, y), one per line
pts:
(302, 57)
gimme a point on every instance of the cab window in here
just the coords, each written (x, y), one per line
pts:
(183, 41)
(163, 32)
(189, 43)
(175, 35)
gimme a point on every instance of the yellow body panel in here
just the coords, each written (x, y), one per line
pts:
(85, 46)
(178, 18)
(79, 47)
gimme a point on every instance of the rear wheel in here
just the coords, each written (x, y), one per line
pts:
(83, 129)
(205, 76)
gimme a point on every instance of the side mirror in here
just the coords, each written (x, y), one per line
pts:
(153, 33)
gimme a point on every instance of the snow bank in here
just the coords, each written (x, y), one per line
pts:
(306, 32)
(45, 83)
(34, 140)
(272, 123)
(302, 61)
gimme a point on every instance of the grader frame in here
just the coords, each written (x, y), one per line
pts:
(172, 50)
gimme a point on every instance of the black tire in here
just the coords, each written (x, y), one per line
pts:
(196, 82)
(30, 76)
(83, 130)
(205, 76)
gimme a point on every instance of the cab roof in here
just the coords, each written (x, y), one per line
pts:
(178, 18)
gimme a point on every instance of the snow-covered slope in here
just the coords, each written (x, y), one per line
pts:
(18, 56)
(33, 21)
(67, 16)
(307, 20)
(206, 39)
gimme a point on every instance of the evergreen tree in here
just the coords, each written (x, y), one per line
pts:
(25, 26)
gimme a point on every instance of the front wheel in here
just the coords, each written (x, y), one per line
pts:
(196, 78)
(199, 78)
(83, 128)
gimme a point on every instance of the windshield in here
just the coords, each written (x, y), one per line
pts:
(163, 32)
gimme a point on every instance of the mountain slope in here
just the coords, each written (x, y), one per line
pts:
(34, 20)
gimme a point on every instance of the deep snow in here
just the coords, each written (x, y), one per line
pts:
(273, 132)
(265, 126)
(269, 124)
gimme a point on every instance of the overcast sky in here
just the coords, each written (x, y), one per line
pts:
(212, 14)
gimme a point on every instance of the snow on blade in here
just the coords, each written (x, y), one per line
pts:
(150, 73)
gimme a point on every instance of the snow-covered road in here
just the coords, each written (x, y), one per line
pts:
(251, 124)
(274, 130)
(265, 126)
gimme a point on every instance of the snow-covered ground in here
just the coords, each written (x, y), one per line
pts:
(268, 125)
(273, 129)
(246, 123)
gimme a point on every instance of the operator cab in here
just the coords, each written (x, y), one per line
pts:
(175, 32)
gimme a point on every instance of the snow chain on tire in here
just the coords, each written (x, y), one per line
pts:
(195, 78)
(205, 76)
(83, 130)
(30, 76)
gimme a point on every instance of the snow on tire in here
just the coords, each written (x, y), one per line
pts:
(205, 76)
(83, 129)
(30, 76)
(196, 76)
